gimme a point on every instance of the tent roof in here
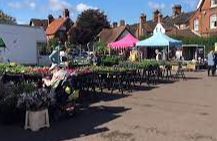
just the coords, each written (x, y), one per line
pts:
(128, 41)
(159, 39)
(2, 44)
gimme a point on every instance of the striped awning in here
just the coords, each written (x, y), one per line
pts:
(2, 44)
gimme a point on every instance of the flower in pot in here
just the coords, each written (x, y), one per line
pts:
(36, 104)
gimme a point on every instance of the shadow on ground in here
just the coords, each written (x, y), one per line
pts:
(193, 78)
(166, 81)
(143, 88)
(87, 98)
(88, 122)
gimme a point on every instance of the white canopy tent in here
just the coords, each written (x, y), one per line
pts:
(159, 39)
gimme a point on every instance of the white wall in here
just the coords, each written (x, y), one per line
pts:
(21, 43)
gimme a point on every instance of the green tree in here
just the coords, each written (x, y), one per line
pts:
(52, 43)
(79, 35)
(101, 48)
(6, 19)
(88, 26)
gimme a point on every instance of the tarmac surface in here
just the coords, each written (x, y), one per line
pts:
(185, 110)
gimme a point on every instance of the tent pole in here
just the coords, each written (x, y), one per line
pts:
(168, 50)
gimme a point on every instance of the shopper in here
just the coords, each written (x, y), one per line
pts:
(215, 63)
(211, 63)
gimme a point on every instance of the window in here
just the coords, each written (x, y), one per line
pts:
(183, 26)
(213, 3)
(213, 22)
(42, 49)
(196, 25)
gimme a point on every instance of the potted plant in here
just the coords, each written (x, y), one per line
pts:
(36, 104)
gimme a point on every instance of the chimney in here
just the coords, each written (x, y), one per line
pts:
(160, 18)
(66, 13)
(156, 14)
(141, 27)
(177, 10)
(115, 24)
(50, 19)
(122, 23)
(142, 19)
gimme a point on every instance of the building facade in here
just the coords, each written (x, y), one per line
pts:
(204, 21)
(115, 33)
(55, 27)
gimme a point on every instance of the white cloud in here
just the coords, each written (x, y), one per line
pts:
(155, 5)
(23, 4)
(32, 5)
(57, 5)
(82, 7)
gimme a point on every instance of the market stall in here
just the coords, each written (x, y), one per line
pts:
(159, 40)
(127, 42)
(193, 51)
(2, 44)
(124, 45)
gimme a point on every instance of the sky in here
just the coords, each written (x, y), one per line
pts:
(116, 10)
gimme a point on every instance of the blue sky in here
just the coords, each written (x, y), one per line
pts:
(129, 10)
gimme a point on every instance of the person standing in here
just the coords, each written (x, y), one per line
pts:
(158, 55)
(211, 63)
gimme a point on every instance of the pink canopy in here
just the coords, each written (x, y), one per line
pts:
(127, 42)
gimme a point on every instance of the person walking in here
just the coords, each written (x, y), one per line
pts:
(215, 63)
(211, 63)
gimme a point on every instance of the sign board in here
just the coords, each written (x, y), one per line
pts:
(215, 46)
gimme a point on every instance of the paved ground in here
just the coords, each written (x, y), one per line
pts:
(180, 111)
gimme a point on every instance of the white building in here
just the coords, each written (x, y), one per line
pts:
(22, 43)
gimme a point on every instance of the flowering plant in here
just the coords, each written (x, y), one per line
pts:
(35, 100)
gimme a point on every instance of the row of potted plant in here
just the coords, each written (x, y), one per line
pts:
(144, 64)
(13, 68)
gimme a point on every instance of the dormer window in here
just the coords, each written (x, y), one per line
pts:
(213, 3)
(213, 21)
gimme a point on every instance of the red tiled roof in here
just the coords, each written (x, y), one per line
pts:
(55, 26)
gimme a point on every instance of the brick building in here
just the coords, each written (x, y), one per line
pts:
(204, 21)
(115, 33)
(178, 24)
(55, 28)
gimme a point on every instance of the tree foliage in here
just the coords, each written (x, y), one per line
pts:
(101, 47)
(6, 19)
(52, 43)
(89, 24)
(79, 35)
